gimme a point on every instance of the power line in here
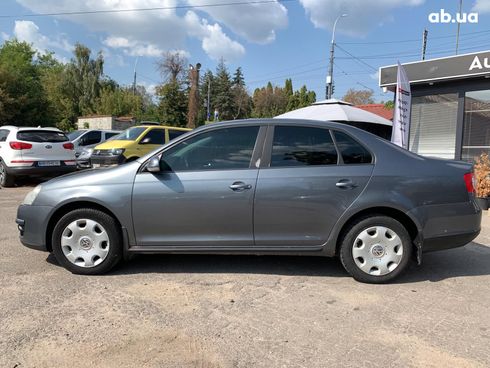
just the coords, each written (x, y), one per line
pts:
(177, 7)
(358, 59)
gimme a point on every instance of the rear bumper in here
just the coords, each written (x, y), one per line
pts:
(40, 171)
(32, 223)
(446, 226)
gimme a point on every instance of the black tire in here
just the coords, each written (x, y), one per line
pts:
(112, 229)
(356, 229)
(6, 180)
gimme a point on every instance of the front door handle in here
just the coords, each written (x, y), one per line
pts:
(345, 184)
(240, 186)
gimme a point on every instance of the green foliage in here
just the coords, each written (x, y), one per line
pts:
(22, 100)
(390, 104)
(222, 99)
(172, 109)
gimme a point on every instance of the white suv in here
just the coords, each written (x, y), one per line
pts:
(34, 152)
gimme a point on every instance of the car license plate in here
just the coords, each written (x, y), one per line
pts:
(48, 163)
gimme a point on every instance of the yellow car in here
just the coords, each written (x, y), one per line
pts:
(133, 143)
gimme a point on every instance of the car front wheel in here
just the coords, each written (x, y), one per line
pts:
(87, 241)
(376, 249)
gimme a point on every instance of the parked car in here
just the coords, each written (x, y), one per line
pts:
(260, 187)
(133, 143)
(33, 152)
(84, 139)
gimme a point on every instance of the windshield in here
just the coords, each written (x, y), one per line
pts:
(75, 134)
(41, 136)
(130, 134)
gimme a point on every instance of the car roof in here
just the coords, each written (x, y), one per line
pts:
(12, 127)
(270, 121)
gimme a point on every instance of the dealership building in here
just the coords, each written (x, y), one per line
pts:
(450, 115)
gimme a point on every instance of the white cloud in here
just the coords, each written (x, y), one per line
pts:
(132, 47)
(362, 15)
(481, 6)
(254, 22)
(25, 30)
(143, 33)
(214, 42)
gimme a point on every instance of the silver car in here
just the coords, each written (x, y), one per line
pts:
(259, 187)
(84, 140)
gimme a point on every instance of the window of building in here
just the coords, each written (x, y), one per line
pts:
(302, 146)
(433, 125)
(476, 134)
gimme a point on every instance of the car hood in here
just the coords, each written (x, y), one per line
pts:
(114, 144)
(123, 174)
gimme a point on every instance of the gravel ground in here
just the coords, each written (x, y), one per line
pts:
(237, 311)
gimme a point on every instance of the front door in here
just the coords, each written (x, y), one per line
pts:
(307, 185)
(204, 194)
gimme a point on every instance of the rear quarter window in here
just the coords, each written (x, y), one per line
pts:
(352, 152)
(4, 134)
(41, 136)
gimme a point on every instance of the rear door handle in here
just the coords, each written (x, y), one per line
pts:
(240, 186)
(345, 184)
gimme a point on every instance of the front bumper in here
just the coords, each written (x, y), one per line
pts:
(32, 223)
(35, 170)
(100, 160)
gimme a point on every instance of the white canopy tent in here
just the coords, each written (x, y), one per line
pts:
(335, 110)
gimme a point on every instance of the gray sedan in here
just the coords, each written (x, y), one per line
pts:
(259, 187)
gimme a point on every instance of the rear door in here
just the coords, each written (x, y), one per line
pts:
(49, 147)
(306, 185)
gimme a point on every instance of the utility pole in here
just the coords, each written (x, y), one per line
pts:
(459, 25)
(424, 43)
(208, 113)
(134, 77)
(329, 81)
(193, 107)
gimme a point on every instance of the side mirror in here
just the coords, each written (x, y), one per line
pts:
(153, 165)
(145, 141)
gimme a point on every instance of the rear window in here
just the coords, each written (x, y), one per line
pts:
(41, 136)
(352, 152)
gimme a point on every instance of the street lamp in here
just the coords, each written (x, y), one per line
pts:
(329, 84)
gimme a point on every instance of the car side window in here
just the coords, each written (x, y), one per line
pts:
(302, 146)
(92, 137)
(352, 151)
(154, 136)
(110, 134)
(172, 134)
(3, 135)
(221, 149)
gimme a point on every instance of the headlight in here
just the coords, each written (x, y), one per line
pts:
(117, 151)
(31, 196)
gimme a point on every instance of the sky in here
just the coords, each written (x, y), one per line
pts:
(271, 40)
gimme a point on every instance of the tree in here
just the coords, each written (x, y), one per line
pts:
(269, 101)
(172, 66)
(359, 97)
(241, 99)
(223, 98)
(172, 109)
(22, 101)
(82, 82)
(173, 104)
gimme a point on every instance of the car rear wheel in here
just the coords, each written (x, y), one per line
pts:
(376, 249)
(87, 241)
(6, 179)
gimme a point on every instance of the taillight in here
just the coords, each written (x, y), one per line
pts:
(20, 145)
(469, 181)
(68, 146)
